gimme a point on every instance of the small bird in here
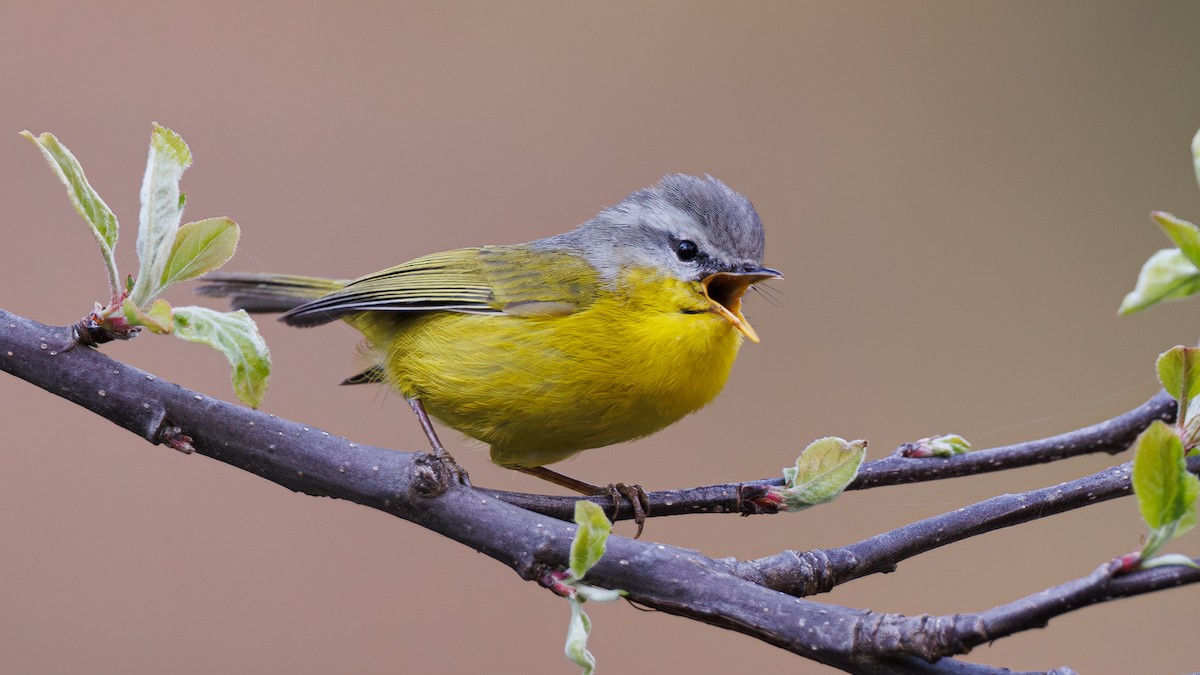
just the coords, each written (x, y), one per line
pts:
(603, 334)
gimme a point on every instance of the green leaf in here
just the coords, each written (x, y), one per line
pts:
(590, 537)
(162, 316)
(235, 335)
(86, 200)
(199, 248)
(161, 211)
(595, 593)
(822, 471)
(1189, 518)
(1165, 491)
(1167, 275)
(946, 445)
(577, 636)
(586, 550)
(1190, 428)
(1157, 466)
(949, 445)
(1169, 560)
(1196, 155)
(1179, 371)
(158, 318)
(1185, 235)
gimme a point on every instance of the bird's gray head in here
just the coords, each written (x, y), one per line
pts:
(687, 226)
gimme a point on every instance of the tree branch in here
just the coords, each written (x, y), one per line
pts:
(817, 571)
(410, 486)
(1036, 610)
(1112, 436)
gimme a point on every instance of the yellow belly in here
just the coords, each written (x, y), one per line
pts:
(540, 389)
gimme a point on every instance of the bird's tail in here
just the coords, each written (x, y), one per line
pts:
(266, 292)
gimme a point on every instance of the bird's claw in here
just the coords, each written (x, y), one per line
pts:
(617, 492)
(447, 460)
(636, 495)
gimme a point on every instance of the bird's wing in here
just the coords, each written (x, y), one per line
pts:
(517, 280)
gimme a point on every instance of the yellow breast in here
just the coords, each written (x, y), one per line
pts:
(538, 389)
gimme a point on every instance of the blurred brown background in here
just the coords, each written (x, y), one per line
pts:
(958, 194)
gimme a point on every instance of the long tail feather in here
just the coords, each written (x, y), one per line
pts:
(267, 292)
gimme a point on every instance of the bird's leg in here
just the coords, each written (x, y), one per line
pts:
(634, 493)
(439, 453)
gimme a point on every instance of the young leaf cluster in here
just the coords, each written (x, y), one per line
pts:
(1171, 273)
(1166, 492)
(821, 473)
(946, 445)
(587, 548)
(168, 253)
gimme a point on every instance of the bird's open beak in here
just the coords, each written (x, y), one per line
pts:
(725, 290)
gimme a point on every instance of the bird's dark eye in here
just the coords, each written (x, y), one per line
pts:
(687, 250)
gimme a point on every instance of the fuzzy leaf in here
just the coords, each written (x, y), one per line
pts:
(1169, 560)
(597, 594)
(235, 335)
(577, 637)
(199, 248)
(1165, 491)
(949, 445)
(946, 445)
(1189, 518)
(1179, 371)
(1159, 476)
(1158, 471)
(822, 471)
(162, 316)
(1167, 275)
(1196, 155)
(1185, 235)
(161, 211)
(1190, 429)
(158, 317)
(86, 200)
(590, 538)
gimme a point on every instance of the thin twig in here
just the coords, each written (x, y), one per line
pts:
(803, 573)
(1036, 610)
(1110, 436)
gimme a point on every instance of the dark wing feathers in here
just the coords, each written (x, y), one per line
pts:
(483, 280)
(372, 375)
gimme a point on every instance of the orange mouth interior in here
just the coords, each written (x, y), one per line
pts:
(725, 290)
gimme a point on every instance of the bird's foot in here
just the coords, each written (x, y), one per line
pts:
(617, 492)
(636, 495)
(438, 453)
(448, 462)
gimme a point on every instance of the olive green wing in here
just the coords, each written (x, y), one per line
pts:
(517, 280)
